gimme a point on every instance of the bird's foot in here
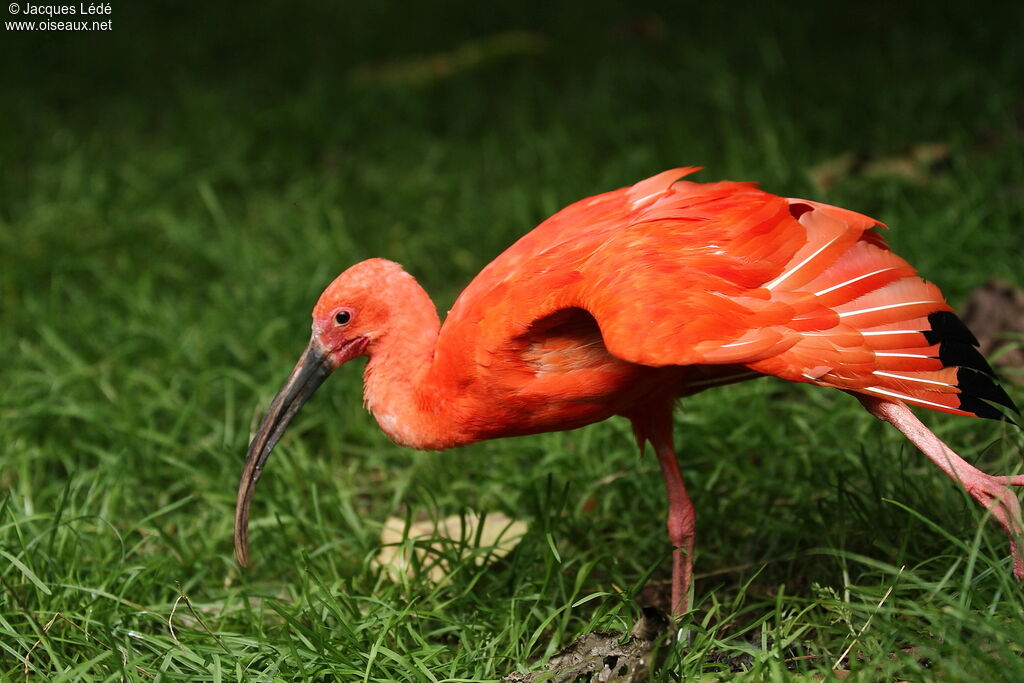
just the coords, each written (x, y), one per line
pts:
(996, 496)
(993, 492)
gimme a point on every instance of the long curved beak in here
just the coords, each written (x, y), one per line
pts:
(309, 373)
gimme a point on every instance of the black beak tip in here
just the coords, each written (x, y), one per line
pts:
(309, 373)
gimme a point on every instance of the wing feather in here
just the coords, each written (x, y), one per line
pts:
(677, 273)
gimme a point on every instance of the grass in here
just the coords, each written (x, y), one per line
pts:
(174, 195)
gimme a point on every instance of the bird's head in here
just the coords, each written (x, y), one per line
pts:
(350, 317)
(354, 313)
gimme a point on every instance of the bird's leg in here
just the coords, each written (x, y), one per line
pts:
(682, 519)
(993, 492)
(655, 425)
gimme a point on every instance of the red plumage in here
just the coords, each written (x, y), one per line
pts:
(623, 302)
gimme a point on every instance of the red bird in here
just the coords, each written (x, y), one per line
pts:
(624, 302)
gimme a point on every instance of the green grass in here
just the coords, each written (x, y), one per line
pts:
(174, 195)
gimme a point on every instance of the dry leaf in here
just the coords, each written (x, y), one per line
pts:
(433, 540)
(827, 173)
(442, 65)
(920, 164)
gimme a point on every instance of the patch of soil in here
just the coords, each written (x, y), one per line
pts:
(994, 312)
(609, 656)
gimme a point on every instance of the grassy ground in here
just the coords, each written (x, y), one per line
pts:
(174, 195)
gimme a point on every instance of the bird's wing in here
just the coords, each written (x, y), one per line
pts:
(681, 273)
(725, 273)
(686, 280)
(536, 276)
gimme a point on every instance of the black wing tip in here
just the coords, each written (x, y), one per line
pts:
(946, 326)
(958, 354)
(958, 347)
(979, 408)
(975, 378)
(978, 385)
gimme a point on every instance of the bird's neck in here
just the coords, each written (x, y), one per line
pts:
(399, 387)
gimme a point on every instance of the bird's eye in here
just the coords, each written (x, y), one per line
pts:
(342, 317)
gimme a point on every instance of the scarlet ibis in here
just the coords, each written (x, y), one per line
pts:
(624, 302)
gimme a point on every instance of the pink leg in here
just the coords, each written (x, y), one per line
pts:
(992, 492)
(682, 522)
